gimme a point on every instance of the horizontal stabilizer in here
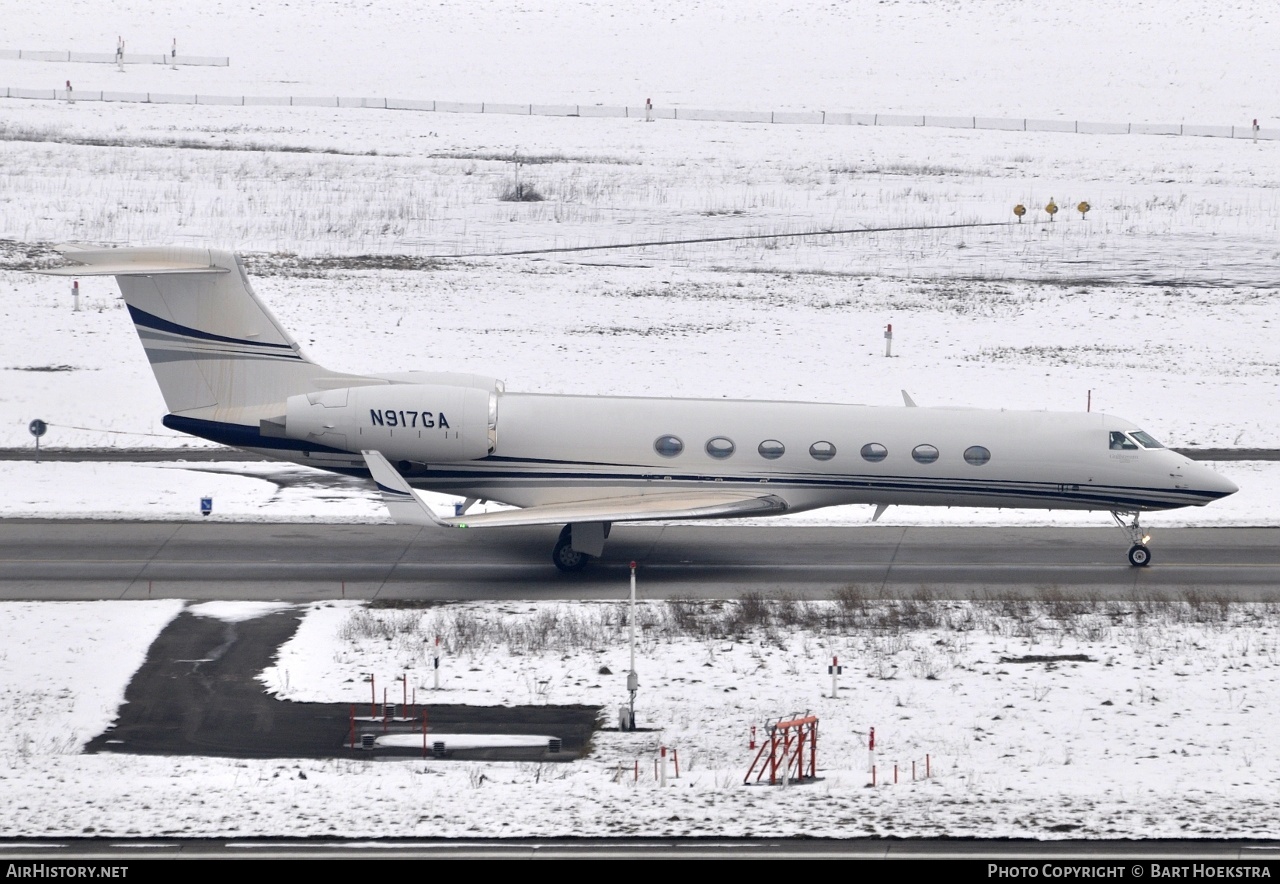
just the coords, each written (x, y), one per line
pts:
(407, 508)
(134, 261)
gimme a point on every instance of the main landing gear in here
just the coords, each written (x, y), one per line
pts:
(1139, 554)
(567, 558)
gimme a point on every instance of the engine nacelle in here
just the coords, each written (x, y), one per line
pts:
(426, 423)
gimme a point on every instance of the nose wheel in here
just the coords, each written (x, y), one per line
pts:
(1139, 554)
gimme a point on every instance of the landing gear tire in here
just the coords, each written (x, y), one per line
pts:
(1139, 556)
(565, 557)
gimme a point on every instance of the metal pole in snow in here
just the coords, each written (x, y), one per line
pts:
(888, 340)
(633, 680)
(75, 286)
(871, 752)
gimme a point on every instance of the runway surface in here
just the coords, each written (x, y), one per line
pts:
(46, 559)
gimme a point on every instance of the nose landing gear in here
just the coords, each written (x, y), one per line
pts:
(1139, 554)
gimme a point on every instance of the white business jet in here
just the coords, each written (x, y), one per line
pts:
(230, 373)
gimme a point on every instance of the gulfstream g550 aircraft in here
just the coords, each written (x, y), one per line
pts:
(231, 374)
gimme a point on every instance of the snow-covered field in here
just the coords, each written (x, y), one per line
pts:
(1156, 721)
(1160, 306)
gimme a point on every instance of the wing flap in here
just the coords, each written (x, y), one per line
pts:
(407, 507)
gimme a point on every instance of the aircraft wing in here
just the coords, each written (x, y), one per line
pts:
(408, 508)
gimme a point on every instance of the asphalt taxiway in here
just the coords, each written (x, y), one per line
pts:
(59, 560)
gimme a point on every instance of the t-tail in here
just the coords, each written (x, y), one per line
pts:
(225, 365)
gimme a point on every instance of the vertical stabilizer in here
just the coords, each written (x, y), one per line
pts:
(216, 351)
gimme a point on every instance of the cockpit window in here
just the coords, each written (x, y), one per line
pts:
(1121, 442)
(1145, 439)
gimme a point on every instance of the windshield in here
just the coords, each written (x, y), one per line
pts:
(1145, 440)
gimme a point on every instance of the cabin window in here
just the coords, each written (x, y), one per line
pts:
(822, 451)
(1121, 442)
(924, 453)
(1145, 439)
(874, 452)
(976, 455)
(668, 446)
(720, 447)
(771, 449)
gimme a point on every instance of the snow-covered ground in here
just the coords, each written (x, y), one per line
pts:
(1155, 721)
(1160, 307)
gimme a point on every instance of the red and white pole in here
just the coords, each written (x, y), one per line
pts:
(871, 750)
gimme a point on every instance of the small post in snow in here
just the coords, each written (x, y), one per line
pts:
(888, 340)
(173, 55)
(75, 286)
(71, 97)
(120, 54)
(1255, 130)
(648, 114)
(633, 680)
(871, 751)
(37, 428)
(835, 669)
(435, 664)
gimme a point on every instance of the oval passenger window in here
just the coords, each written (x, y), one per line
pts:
(822, 451)
(924, 453)
(874, 452)
(720, 447)
(668, 446)
(771, 449)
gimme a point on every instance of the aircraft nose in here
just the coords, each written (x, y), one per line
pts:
(1214, 483)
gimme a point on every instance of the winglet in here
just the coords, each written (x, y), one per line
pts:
(402, 502)
(880, 508)
(907, 400)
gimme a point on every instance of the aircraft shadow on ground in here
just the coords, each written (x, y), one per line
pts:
(197, 693)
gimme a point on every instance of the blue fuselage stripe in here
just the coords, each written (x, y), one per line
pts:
(492, 471)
